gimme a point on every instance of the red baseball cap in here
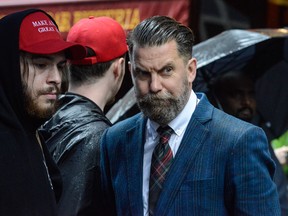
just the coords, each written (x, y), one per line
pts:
(40, 35)
(103, 35)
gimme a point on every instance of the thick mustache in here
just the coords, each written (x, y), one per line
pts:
(50, 90)
(162, 96)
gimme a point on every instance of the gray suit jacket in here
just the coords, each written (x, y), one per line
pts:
(222, 167)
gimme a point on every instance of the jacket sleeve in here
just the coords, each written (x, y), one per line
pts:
(109, 206)
(249, 176)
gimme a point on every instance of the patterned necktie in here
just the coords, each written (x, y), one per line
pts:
(161, 161)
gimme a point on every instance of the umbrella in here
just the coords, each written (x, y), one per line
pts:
(234, 49)
(264, 49)
(265, 53)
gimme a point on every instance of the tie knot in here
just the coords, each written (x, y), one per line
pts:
(165, 132)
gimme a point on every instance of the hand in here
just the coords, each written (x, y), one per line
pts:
(282, 154)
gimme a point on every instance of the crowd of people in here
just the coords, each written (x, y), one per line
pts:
(184, 153)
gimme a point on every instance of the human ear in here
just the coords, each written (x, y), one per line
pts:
(191, 69)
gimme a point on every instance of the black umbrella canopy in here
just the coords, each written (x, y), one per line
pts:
(264, 53)
(263, 50)
(236, 49)
(225, 44)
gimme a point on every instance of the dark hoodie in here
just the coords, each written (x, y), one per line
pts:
(25, 186)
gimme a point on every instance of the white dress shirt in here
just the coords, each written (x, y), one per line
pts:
(179, 125)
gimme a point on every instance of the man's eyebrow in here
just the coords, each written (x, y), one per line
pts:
(35, 56)
(138, 67)
(47, 57)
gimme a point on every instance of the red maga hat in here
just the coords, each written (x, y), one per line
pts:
(40, 35)
(103, 35)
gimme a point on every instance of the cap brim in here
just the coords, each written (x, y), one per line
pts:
(72, 50)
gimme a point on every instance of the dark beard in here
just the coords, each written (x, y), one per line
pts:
(34, 111)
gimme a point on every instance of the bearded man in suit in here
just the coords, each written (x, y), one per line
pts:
(206, 163)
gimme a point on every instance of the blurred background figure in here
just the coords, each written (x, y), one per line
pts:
(280, 146)
(281, 152)
(233, 92)
(73, 133)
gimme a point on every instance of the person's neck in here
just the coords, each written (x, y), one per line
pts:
(98, 92)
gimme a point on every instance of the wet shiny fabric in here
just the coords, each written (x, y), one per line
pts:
(72, 136)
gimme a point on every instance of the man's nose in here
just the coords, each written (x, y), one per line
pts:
(248, 99)
(155, 84)
(55, 75)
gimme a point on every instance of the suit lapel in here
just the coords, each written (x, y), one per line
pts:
(134, 161)
(191, 144)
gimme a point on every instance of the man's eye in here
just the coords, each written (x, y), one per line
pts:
(62, 66)
(167, 70)
(141, 74)
(236, 95)
(40, 65)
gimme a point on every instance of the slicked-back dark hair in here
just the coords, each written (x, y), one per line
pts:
(158, 30)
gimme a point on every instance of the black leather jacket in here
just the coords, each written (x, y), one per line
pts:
(73, 137)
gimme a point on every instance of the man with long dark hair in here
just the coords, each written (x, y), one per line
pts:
(32, 61)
